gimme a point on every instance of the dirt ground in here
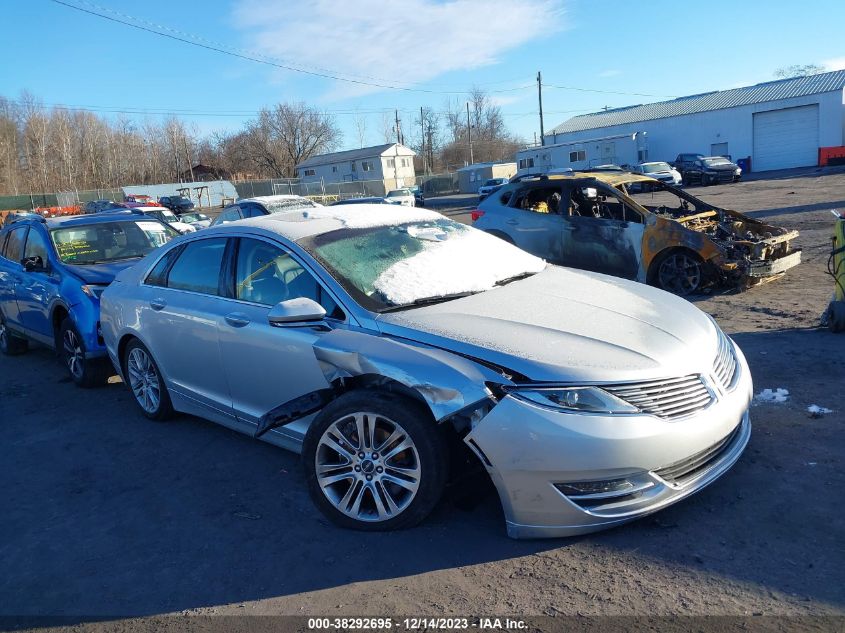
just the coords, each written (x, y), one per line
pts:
(107, 514)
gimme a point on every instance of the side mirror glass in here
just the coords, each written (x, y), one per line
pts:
(33, 264)
(293, 311)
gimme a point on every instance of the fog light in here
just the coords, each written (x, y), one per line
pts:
(579, 488)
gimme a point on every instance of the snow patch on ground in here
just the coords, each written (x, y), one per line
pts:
(453, 266)
(776, 396)
(816, 410)
(367, 216)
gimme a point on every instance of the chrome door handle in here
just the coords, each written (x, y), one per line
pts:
(237, 319)
(158, 304)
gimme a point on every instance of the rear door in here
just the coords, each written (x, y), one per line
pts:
(266, 365)
(11, 272)
(179, 311)
(533, 219)
(603, 233)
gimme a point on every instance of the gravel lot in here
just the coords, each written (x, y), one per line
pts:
(108, 514)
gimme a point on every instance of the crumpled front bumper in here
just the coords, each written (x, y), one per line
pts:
(528, 449)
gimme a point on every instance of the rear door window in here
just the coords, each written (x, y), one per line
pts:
(198, 267)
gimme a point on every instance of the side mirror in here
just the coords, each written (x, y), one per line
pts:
(33, 264)
(296, 311)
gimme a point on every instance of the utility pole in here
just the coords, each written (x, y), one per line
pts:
(422, 137)
(398, 129)
(469, 136)
(540, 97)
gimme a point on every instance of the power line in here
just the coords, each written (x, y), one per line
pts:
(608, 92)
(187, 39)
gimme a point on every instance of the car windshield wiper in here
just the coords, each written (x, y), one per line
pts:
(507, 280)
(424, 301)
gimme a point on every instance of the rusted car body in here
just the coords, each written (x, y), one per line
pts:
(660, 235)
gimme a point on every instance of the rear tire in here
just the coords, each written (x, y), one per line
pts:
(145, 382)
(375, 461)
(10, 345)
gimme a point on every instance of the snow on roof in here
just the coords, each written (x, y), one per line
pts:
(718, 100)
(365, 216)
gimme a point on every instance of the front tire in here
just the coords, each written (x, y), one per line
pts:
(375, 461)
(145, 382)
(85, 372)
(680, 272)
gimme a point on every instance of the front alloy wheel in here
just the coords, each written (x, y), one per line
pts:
(375, 461)
(85, 372)
(680, 273)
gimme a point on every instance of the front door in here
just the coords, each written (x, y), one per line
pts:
(36, 289)
(603, 233)
(11, 274)
(267, 366)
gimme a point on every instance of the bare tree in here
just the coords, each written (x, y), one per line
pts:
(798, 70)
(360, 121)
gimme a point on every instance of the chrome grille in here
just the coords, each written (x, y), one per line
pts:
(672, 398)
(724, 368)
(684, 470)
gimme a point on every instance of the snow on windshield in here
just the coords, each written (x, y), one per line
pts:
(367, 216)
(453, 259)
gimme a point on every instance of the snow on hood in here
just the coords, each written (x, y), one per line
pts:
(368, 216)
(565, 324)
(469, 261)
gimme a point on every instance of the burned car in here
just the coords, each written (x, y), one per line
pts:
(374, 340)
(664, 236)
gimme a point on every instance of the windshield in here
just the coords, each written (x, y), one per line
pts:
(398, 192)
(109, 241)
(168, 215)
(651, 168)
(388, 266)
(716, 161)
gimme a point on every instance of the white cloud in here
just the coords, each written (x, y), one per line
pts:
(612, 72)
(399, 43)
(837, 63)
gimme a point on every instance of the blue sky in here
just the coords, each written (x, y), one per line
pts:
(660, 48)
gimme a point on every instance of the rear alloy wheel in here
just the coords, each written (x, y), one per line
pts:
(10, 345)
(145, 382)
(374, 462)
(85, 372)
(680, 273)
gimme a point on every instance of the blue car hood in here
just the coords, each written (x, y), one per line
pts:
(100, 273)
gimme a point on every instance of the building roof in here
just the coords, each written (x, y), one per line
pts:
(491, 164)
(719, 100)
(352, 154)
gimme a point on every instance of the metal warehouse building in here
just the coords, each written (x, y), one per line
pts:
(778, 124)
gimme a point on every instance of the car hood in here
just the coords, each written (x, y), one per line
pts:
(101, 273)
(569, 325)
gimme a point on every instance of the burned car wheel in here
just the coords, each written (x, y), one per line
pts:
(679, 272)
(374, 461)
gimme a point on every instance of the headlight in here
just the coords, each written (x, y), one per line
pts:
(738, 171)
(93, 291)
(574, 399)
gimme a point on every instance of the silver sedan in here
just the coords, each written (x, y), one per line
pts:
(370, 337)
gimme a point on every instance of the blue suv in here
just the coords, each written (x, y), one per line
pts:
(52, 273)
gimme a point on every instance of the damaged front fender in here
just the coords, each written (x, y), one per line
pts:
(448, 383)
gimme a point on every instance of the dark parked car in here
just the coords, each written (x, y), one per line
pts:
(685, 161)
(98, 206)
(262, 205)
(177, 204)
(710, 170)
(52, 273)
(369, 200)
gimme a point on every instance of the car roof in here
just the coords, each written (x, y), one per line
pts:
(297, 225)
(121, 215)
(612, 178)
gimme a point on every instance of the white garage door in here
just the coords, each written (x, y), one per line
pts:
(786, 138)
